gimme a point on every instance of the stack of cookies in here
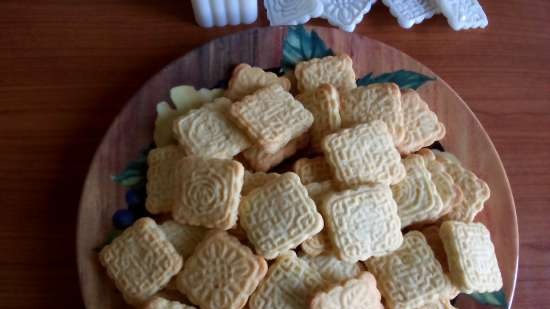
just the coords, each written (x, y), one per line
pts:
(366, 218)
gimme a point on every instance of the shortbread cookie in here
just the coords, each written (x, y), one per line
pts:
(316, 245)
(141, 261)
(431, 233)
(261, 161)
(411, 276)
(312, 170)
(359, 293)
(271, 117)
(422, 127)
(318, 190)
(471, 254)
(279, 216)
(208, 192)
(450, 193)
(334, 70)
(333, 269)
(222, 273)
(364, 154)
(324, 104)
(410, 12)
(416, 195)
(290, 283)
(463, 14)
(247, 80)
(161, 178)
(362, 222)
(183, 237)
(256, 180)
(374, 102)
(207, 133)
(162, 303)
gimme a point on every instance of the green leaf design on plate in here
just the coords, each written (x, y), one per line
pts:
(494, 298)
(135, 173)
(405, 79)
(301, 45)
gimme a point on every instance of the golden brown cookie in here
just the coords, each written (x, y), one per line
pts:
(261, 161)
(256, 180)
(312, 170)
(247, 80)
(334, 70)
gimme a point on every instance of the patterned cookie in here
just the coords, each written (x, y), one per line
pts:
(333, 269)
(471, 254)
(359, 293)
(411, 276)
(318, 190)
(279, 216)
(207, 133)
(416, 195)
(346, 14)
(222, 273)
(374, 102)
(261, 161)
(208, 192)
(317, 244)
(463, 14)
(362, 222)
(324, 104)
(162, 303)
(256, 180)
(183, 237)
(141, 261)
(312, 170)
(290, 284)
(364, 154)
(247, 80)
(271, 117)
(334, 70)
(422, 128)
(410, 12)
(161, 178)
(295, 12)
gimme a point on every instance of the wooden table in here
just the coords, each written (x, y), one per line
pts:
(66, 70)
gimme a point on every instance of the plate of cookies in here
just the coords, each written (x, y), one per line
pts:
(296, 168)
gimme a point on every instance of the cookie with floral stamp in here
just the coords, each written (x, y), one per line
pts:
(260, 160)
(247, 80)
(332, 269)
(163, 303)
(334, 70)
(355, 293)
(183, 237)
(312, 170)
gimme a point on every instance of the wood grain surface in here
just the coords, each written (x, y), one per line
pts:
(67, 69)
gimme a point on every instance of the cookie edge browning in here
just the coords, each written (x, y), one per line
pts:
(301, 66)
(238, 70)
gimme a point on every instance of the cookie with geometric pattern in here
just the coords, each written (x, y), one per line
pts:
(279, 216)
(334, 70)
(222, 273)
(208, 192)
(317, 244)
(247, 80)
(259, 160)
(163, 303)
(312, 170)
(471, 255)
(333, 269)
(410, 12)
(183, 237)
(271, 117)
(411, 276)
(140, 261)
(160, 178)
(364, 154)
(463, 14)
(356, 293)
(255, 180)
(362, 222)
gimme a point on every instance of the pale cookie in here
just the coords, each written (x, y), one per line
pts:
(279, 216)
(422, 127)
(208, 192)
(318, 190)
(183, 237)
(333, 269)
(141, 261)
(247, 80)
(416, 195)
(290, 284)
(162, 303)
(222, 273)
(362, 222)
(463, 14)
(374, 102)
(334, 70)
(271, 117)
(410, 12)
(207, 133)
(346, 14)
(317, 244)
(312, 170)
(364, 154)
(295, 12)
(411, 276)
(161, 182)
(471, 254)
(359, 293)
(256, 180)
(261, 161)
(324, 104)
(450, 193)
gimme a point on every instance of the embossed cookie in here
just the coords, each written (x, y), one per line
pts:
(333, 269)
(207, 133)
(312, 170)
(290, 283)
(362, 222)
(324, 104)
(358, 293)
(247, 80)
(160, 178)
(261, 161)
(471, 255)
(162, 303)
(279, 216)
(410, 12)
(316, 245)
(183, 237)
(208, 192)
(334, 70)
(463, 14)
(364, 154)
(271, 117)
(255, 180)
(222, 273)
(141, 261)
(411, 276)
(374, 102)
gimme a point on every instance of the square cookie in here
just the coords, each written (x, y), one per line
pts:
(362, 222)
(183, 237)
(222, 273)
(334, 70)
(312, 170)
(259, 160)
(279, 216)
(163, 303)
(364, 154)
(256, 180)
(463, 14)
(208, 192)
(247, 80)
(332, 269)
(356, 293)
(271, 117)
(471, 254)
(141, 261)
